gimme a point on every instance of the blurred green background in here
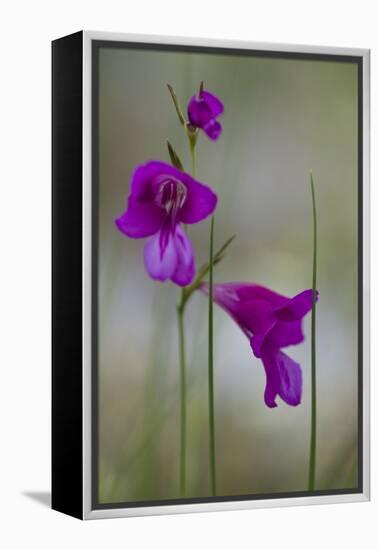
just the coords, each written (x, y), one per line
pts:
(282, 117)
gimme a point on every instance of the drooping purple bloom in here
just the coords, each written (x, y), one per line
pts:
(161, 199)
(271, 322)
(203, 111)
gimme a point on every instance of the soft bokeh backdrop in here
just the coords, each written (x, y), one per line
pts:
(282, 117)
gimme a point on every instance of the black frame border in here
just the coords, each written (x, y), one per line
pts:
(67, 256)
(95, 47)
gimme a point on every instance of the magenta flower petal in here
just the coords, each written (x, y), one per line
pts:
(203, 111)
(185, 265)
(283, 378)
(297, 307)
(258, 315)
(140, 220)
(161, 198)
(234, 297)
(160, 256)
(215, 105)
(213, 129)
(200, 203)
(256, 343)
(285, 334)
(271, 322)
(147, 177)
(271, 390)
(242, 292)
(225, 296)
(199, 112)
(263, 323)
(141, 182)
(247, 291)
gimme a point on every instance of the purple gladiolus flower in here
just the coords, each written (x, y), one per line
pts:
(161, 198)
(271, 322)
(203, 111)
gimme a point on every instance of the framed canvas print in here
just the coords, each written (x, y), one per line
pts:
(210, 275)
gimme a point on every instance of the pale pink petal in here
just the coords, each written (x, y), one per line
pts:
(160, 256)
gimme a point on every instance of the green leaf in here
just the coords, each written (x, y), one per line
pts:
(177, 106)
(212, 443)
(175, 160)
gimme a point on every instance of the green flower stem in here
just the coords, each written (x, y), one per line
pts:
(313, 441)
(193, 158)
(183, 401)
(186, 293)
(185, 296)
(182, 348)
(212, 446)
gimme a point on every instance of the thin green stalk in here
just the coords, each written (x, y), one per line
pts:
(313, 441)
(186, 293)
(183, 402)
(193, 158)
(182, 366)
(212, 447)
